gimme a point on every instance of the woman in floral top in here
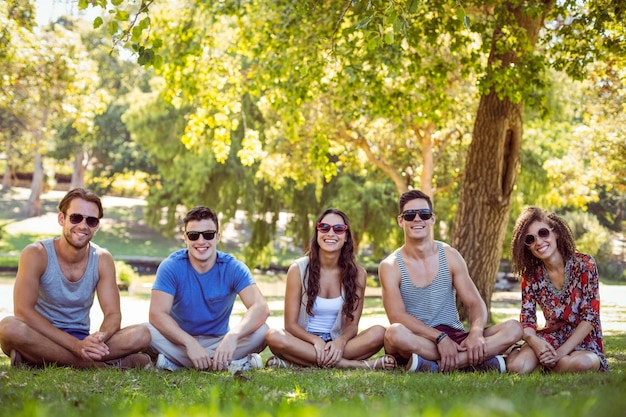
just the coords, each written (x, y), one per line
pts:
(564, 283)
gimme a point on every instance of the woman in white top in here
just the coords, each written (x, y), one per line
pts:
(323, 305)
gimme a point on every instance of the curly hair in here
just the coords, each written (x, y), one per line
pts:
(523, 261)
(347, 263)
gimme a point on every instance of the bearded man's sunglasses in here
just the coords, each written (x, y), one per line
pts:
(76, 218)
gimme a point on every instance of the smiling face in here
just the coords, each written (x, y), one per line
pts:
(542, 247)
(331, 241)
(78, 235)
(202, 252)
(416, 228)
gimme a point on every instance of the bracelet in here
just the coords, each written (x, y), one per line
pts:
(441, 336)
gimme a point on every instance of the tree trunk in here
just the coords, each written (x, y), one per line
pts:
(78, 173)
(33, 205)
(491, 172)
(6, 178)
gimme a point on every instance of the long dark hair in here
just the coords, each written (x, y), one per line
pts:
(524, 262)
(347, 263)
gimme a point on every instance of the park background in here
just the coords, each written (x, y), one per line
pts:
(269, 112)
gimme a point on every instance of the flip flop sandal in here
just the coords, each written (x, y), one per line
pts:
(380, 363)
(276, 362)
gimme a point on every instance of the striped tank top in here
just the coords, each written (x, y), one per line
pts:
(435, 303)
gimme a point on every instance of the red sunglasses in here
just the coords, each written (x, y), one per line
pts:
(339, 229)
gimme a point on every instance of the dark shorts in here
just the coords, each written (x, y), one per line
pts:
(457, 335)
(77, 333)
(326, 337)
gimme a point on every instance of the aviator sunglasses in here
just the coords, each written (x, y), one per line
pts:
(409, 215)
(542, 233)
(337, 228)
(207, 235)
(76, 218)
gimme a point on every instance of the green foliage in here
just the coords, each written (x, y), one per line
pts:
(612, 271)
(125, 273)
(590, 236)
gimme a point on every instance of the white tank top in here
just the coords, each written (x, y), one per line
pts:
(325, 311)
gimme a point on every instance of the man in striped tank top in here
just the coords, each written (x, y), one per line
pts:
(420, 282)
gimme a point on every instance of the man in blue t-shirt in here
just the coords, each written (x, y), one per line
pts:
(192, 300)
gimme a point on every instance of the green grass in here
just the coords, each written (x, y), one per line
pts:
(312, 392)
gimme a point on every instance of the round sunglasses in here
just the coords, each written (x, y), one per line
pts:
(339, 229)
(424, 214)
(542, 233)
(207, 235)
(76, 218)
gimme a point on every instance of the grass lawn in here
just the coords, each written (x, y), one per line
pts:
(312, 392)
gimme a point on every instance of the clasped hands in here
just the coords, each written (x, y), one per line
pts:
(93, 348)
(449, 350)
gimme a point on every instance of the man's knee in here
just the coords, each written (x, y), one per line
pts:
(136, 336)
(12, 331)
(394, 334)
(513, 330)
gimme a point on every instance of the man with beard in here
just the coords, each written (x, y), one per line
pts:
(54, 290)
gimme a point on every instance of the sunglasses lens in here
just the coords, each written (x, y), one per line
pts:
(323, 227)
(529, 240)
(409, 216)
(193, 235)
(543, 233)
(425, 214)
(340, 229)
(76, 218)
(208, 235)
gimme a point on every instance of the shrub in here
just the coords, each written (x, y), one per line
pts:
(125, 275)
(612, 271)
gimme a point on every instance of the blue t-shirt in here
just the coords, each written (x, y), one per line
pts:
(202, 302)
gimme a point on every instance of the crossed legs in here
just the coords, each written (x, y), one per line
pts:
(37, 349)
(402, 342)
(356, 353)
(524, 361)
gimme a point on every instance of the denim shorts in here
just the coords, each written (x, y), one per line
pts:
(326, 337)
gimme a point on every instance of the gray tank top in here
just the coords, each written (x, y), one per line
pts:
(67, 304)
(434, 304)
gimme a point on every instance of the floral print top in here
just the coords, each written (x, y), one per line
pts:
(578, 300)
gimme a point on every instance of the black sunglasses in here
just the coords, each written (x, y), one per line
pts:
(409, 215)
(339, 229)
(76, 218)
(207, 235)
(542, 233)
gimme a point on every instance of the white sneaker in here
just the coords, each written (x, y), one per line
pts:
(252, 361)
(165, 364)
